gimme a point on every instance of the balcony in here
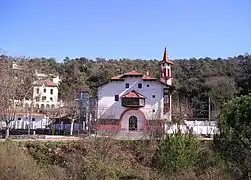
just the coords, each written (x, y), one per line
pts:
(133, 99)
(133, 102)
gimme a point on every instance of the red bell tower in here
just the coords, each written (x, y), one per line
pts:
(166, 77)
(165, 69)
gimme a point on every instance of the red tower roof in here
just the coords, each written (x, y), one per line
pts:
(165, 58)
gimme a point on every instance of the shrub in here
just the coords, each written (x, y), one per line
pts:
(16, 164)
(234, 140)
(175, 153)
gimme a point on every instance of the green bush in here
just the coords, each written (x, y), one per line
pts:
(235, 133)
(175, 153)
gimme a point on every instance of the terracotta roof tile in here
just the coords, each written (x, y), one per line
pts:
(133, 94)
(50, 83)
(46, 82)
(146, 77)
(116, 77)
(133, 73)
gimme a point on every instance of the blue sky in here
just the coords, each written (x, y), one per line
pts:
(125, 28)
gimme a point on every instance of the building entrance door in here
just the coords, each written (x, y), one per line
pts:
(133, 123)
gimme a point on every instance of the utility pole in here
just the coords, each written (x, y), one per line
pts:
(209, 109)
(89, 125)
(30, 119)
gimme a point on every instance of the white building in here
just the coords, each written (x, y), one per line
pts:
(22, 121)
(45, 92)
(136, 102)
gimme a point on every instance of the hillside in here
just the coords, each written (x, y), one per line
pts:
(194, 79)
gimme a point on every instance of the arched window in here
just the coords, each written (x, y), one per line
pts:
(42, 106)
(52, 106)
(47, 106)
(133, 123)
(26, 106)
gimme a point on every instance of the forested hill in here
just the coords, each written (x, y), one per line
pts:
(196, 79)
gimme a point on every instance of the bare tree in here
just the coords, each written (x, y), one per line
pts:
(181, 111)
(15, 84)
(156, 126)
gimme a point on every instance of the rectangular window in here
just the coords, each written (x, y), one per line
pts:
(116, 97)
(127, 85)
(147, 85)
(51, 98)
(140, 85)
(37, 90)
(44, 90)
(51, 91)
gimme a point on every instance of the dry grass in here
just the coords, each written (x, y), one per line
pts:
(16, 164)
(93, 158)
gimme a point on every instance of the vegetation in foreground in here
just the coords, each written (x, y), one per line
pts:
(178, 156)
(175, 157)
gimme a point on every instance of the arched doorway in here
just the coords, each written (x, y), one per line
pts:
(133, 123)
(132, 120)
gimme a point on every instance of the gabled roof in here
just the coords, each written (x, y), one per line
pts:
(148, 78)
(46, 82)
(132, 74)
(50, 83)
(122, 76)
(118, 77)
(133, 94)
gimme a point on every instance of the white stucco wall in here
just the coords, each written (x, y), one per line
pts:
(22, 122)
(48, 101)
(108, 108)
(197, 127)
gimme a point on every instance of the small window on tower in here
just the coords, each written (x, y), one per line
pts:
(116, 98)
(127, 85)
(153, 96)
(153, 110)
(44, 90)
(139, 85)
(147, 85)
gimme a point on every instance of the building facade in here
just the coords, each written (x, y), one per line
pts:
(26, 120)
(135, 101)
(44, 92)
(87, 109)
